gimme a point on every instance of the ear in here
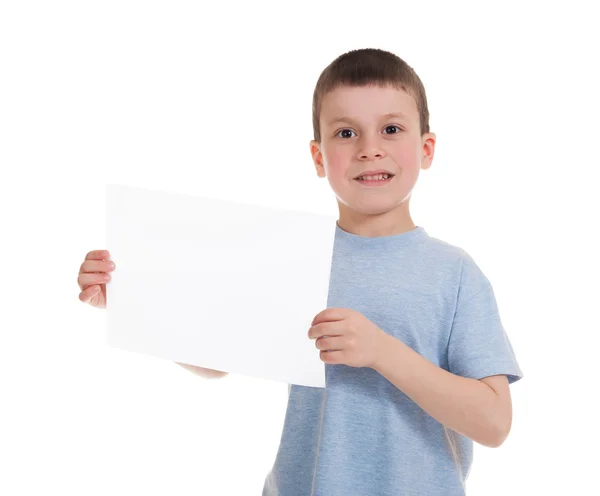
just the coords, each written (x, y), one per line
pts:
(317, 156)
(428, 150)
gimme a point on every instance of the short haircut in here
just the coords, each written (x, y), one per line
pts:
(369, 66)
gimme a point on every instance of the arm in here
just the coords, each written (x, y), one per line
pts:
(202, 372)
(478, 409)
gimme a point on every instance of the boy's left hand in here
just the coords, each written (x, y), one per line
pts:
(354, 339)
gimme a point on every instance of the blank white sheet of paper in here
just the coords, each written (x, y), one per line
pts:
(218, 284)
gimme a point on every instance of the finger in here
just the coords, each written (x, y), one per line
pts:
(94, 266)
(98, 255)
(87, 280)
(326, 328)
(328, 315)
(330, 343)
(89, 293)
(332, 357)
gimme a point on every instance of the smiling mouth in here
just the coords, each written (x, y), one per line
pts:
(377, 177)
(380, 180)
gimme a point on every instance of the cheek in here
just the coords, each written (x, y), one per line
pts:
(336, 160)
(408, 156)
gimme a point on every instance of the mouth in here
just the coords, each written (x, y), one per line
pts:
(374, 180)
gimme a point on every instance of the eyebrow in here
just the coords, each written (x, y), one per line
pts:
(385, 116)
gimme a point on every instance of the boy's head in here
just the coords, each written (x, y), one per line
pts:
(370, 113)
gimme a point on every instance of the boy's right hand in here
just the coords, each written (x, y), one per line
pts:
(93, 276)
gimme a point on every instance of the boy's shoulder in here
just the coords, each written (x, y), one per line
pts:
(444, 251)
(456, 260)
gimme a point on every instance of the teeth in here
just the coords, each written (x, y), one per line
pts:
(375, 178)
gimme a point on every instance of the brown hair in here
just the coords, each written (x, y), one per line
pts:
(369, 66)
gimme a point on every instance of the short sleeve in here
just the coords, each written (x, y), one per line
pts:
(478, 345)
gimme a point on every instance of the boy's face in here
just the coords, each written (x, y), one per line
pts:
(357, 136)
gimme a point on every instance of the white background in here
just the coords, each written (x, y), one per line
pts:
(216, 100)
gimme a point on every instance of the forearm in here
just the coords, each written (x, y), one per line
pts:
(202, 372)
(464, 405)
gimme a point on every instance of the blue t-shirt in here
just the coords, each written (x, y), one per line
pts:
(361, 435)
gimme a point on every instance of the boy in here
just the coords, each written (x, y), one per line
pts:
(420, 364)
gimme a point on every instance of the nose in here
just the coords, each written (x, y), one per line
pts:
(370, 150)
(370, 155)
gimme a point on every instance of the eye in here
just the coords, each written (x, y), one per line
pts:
(344, 131)
(393, 127)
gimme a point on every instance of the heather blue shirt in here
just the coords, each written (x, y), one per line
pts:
(361, 435)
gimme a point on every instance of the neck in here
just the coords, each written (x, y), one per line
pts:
(395, 221)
